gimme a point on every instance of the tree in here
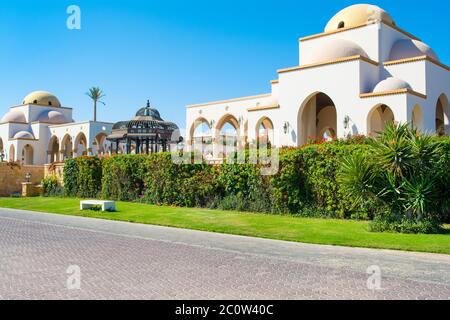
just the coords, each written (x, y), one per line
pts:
(95, 93)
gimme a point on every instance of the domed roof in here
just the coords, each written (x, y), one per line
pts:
(404, 49)
(335, 49)
(14, 116)
(391, 84)
(23, 135)
(42, 98)
(148, 113)
(356, 15)
(54, 117)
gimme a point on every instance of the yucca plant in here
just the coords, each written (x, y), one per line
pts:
(402, 173)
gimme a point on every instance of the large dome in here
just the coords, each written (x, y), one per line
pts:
(391, 84)
(14, 116)
(357, 15)
(333, 50)
(148, 113)
(42, 98)
(53, 117)
(404, 49)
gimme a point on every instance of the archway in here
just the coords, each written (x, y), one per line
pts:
(201, 136)
(53, 149)
(264, 131)
(99, 146)
(12, 153)
(317, 119)
(81, 145)
(442, 116)
(66, 147)
(227, 135)
(27, 155)
(417, 118)
(378, 118)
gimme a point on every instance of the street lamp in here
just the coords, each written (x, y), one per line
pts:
(28, 176)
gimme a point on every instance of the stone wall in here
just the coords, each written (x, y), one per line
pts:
(13, 174)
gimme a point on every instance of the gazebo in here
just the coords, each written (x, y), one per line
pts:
(146, 133)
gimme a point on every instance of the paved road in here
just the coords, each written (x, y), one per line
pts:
(129, 261)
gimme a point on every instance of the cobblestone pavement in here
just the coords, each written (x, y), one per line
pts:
(129, 261)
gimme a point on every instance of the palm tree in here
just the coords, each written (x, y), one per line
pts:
(95, 93)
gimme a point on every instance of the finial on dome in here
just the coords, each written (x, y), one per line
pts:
(148, 103)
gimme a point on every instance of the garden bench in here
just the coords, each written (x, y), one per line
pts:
(106, 205)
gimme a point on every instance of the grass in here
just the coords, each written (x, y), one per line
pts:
(318, 231)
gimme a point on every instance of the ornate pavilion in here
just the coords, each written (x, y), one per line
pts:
(146, 133)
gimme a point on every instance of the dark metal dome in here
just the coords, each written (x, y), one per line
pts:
(149, 112)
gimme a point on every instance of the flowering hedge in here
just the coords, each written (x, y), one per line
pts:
(305, 184)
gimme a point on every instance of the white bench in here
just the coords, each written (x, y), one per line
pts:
(106, 205)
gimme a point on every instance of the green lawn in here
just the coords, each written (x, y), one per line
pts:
(319, 231)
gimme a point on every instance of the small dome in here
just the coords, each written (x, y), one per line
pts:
(54, 117)
(335, 49)
(404, 49)
(23, 135)
(148, 113)
(42, 98)
(14, 116)
(391, 84)
(357, 15)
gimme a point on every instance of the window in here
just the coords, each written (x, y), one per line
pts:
(341, 25)
(49, 103)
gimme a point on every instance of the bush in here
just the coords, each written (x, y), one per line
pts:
(405, 175)
(50, 186)
(83, 177)
(123, 177)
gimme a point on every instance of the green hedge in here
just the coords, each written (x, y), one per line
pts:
(306, 183)
(83, 177)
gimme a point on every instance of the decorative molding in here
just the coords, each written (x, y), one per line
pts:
(392, 92)
(275, 81)
(275, 106)
(229, 100)
(38, 105)
(13, 122)
(325, 63)
(324, 34)
(415, 59)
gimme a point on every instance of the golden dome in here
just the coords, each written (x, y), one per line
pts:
(42, 98)
(357, 15)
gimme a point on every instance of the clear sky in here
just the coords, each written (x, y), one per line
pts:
(171, 52)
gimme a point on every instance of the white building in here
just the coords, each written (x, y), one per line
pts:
(353, 78)
(41, 131)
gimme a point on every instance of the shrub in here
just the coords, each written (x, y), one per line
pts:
(83, 177)
(403, 174)
(70, 177)
(50, 186)
(123, 177)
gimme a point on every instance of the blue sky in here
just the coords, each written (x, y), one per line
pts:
(171, 52)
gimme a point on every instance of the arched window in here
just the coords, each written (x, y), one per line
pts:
(49, 103)
(341, 25)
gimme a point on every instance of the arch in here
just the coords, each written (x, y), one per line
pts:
(66, 147)
(442, 116)
(378, 118)
(264, 131)
(200, 136)
(316, 116)
(27, 155)
(12, 153)
(417, 118)
(100, 144)
(53, 149)
(227, 134)
(81, 145)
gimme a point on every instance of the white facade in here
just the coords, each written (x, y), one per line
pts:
(361, 73)
(41, 131)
